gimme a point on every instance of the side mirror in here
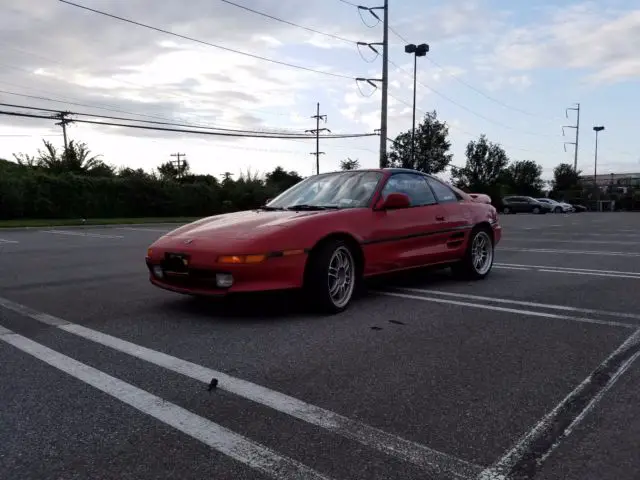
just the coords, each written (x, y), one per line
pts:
(395, 201)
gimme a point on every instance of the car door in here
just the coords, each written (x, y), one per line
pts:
(454, 224)
(519, 204)
(404, 238)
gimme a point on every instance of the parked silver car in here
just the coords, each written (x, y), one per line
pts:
(557, 207)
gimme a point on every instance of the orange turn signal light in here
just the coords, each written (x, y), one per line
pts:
(241, 259)
(149, 253)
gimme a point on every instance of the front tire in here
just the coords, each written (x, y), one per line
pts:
(506, 210)
(558, 210)
(331, 277)
(478, 259)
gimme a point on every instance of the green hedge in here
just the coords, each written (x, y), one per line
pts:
(28, 193)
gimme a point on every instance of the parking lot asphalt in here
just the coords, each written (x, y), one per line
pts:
(530, 373)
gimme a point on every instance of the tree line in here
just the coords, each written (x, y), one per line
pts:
(73, 183)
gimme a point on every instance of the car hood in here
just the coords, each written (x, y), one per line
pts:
(241, 224)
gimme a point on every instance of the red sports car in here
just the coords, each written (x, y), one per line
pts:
(326, 234)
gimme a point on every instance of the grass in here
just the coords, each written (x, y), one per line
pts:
(67, 222)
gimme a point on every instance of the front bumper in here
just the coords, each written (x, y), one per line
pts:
(273, 274)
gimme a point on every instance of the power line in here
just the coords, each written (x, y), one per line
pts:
(174, 124)
(401, 37)
(281, 20)
(473, 112)
(209, 44)
(468, 85)
(221, 134)
(454, 127)
(135, 84)
(187, 124)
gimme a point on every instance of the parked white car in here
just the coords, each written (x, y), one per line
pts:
(556, 207)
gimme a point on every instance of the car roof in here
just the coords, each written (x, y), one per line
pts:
(389, 170)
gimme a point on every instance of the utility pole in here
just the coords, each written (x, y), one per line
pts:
(577, 127)
(317, 131)
(64, 121)
(179, 163)
(385, 73)
(385, 86)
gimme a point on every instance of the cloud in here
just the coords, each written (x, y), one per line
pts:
(56, 51)
(585, 36)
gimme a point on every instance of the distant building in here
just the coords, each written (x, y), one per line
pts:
(618, 179)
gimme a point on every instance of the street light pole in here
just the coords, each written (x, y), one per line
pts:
(597, 129)
(417, 51)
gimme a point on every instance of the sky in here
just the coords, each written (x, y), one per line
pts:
(503, 68)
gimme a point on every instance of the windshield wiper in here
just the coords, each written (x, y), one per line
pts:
(313, 207)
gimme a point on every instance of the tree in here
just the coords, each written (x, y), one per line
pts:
(485, 167)
(524, 177)
(349, 164)
(432, 147)
(565, 178)
(279, 180)
(169, 171)
(76, 158)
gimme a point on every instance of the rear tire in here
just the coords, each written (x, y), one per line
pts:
(536, 210)
(478, 258)
(506, 210)
(332, 277)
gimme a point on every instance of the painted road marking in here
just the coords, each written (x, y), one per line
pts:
(604, 273)
(583, 234)
(577, 252)
(431, 460)
(547, 306)
(553, 240)
(154, 230)
(495, 308)
(520, 265)
(2, 240)
(537, 444)
(215, 436)
(80, 234)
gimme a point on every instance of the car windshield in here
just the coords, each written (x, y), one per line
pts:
(352, 189)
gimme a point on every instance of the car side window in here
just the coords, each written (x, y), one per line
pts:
(414, 186)
(443, 193)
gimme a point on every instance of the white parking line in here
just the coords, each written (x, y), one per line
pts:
(565, 415)
(570, 271)
(2, 240)
(547, 306)
(154, 230)
(582, 234)
(215, 436)
(395, 446)
(538, 238)
(80, 234)
(572, 252)
(484, 306)
(521, 265)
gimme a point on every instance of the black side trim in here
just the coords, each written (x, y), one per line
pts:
(280, 253)
(456, 230)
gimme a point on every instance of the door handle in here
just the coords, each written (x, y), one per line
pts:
(440, 218)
